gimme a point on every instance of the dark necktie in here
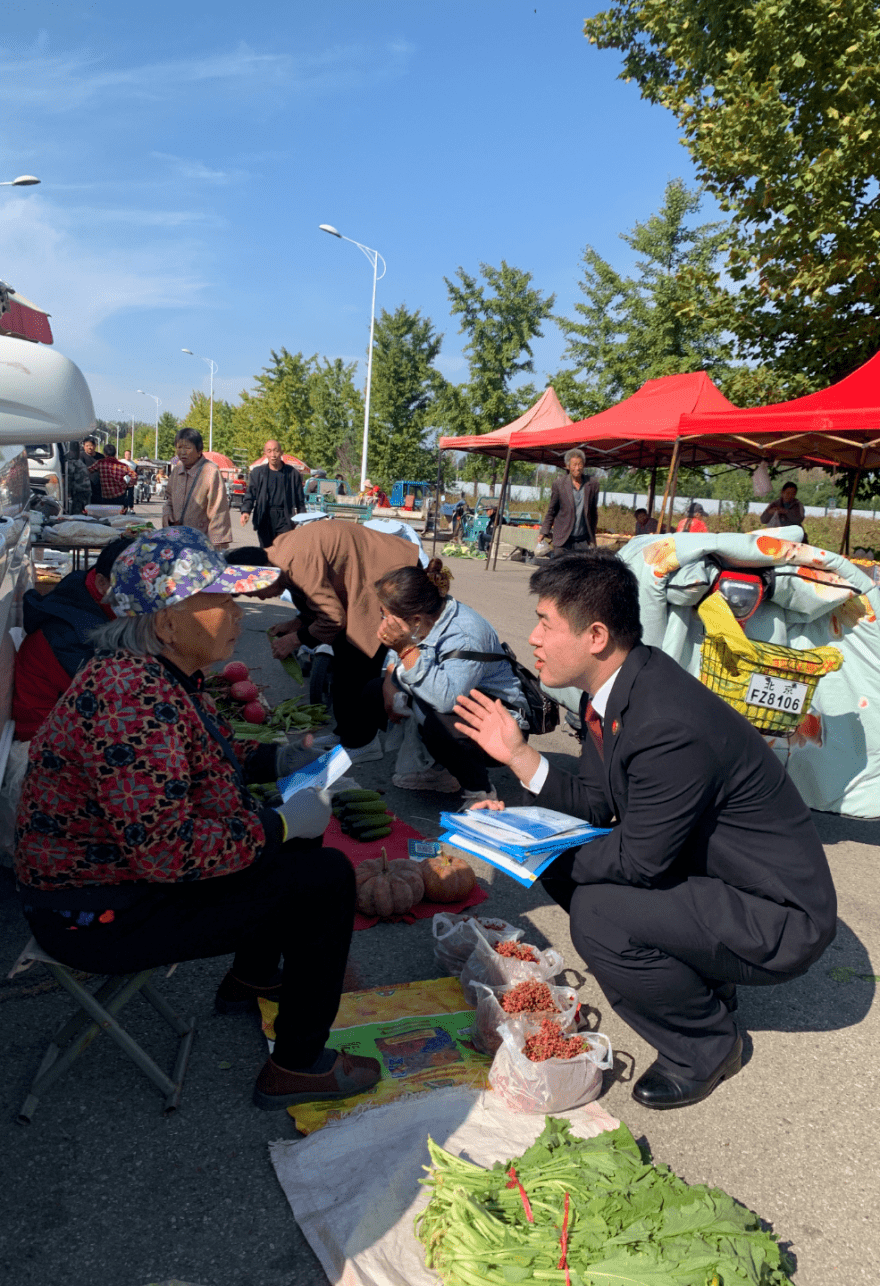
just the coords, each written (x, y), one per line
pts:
(593, 722)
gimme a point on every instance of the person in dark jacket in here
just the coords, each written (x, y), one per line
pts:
(58, 626)
(572, 516)
(711, 874)
(91, 455)
(274, 494)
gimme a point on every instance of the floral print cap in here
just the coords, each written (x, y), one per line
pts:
(165, 567)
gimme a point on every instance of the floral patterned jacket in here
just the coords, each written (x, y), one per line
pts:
(125, 784)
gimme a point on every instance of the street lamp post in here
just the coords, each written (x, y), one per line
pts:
(214, 368)
(158, 402)
(374, 257)
(118, 419)
(23, 181)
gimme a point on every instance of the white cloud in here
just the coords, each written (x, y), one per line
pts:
(188, 169)
(144, 218)
(43, 257)
(61, 83)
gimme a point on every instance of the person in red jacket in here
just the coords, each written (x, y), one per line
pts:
(58, 626)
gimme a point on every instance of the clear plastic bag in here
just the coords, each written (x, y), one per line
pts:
(555, 1085)
(485, 1029)
(455, 937)
(485, 965)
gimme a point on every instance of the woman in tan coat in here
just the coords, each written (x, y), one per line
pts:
(196, 493)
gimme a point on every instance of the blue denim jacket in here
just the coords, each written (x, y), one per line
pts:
(439, 682)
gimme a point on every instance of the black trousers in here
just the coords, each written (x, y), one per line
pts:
(447, 746)
(295, 901)
(658, 962)
(353, 670)
(572, 546)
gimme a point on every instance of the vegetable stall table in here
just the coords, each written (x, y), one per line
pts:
(82, 553)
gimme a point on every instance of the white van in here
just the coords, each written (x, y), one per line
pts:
(44, 399)
(47, 469)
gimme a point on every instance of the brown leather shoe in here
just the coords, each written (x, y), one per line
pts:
(236, 997)
(350, 1074)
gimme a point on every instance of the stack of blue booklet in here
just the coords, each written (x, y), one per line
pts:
(522, 842)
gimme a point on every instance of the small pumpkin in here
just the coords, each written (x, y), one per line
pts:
(448, 878)
(388, 888)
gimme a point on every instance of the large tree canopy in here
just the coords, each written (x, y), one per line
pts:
(635, 328)
(779, 101)
(405, 387)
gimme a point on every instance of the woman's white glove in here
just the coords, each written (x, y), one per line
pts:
(306, 814)
(290, 758)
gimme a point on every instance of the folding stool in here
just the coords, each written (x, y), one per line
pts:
(97, 1012)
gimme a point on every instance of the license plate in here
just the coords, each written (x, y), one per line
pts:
(776, 694)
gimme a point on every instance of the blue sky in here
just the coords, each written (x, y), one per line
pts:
(188, 153)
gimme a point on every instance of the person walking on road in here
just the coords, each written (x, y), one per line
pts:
(196, 493)
(573, 512)
(274, 494)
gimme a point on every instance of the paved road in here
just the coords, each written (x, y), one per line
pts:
(102, 1189)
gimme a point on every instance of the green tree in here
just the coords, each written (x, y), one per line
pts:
(500, 316)
(278, 407)
(337, 418)
(779, 103)
(200, 415)
(404, 391)
(168, 426)
(632, 329)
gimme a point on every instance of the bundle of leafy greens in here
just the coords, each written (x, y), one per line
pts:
(588, 1212)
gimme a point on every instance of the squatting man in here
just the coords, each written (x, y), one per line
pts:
(712, 873)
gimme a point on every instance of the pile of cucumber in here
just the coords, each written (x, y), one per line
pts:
(362, 814)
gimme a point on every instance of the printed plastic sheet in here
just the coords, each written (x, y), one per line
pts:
(353, 1187)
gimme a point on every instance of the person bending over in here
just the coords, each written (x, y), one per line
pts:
(139, 843)
(331, 568)
(712, 873)
(442, 648)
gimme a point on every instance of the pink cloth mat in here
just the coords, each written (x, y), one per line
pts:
(395, 846)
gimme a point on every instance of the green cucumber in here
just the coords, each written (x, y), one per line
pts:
(366, 837)
(353, 796)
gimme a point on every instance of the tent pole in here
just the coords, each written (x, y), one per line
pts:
(437, 502)
(857, 473)
(652, 493)
(673, 470)
(496, 534)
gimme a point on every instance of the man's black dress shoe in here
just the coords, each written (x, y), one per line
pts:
(661, 1088)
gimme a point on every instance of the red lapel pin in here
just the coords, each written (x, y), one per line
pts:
(615, 728)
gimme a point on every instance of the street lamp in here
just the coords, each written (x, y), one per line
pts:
(374, 257)
(214, 368)
(118, 417)
(158, 402)
(23, 181)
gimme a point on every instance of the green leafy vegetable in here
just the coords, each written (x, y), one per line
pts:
(603, 1215)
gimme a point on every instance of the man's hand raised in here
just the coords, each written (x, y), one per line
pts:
(495, 731)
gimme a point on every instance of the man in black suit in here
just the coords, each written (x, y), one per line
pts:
(712, 873)
(573, 512)
(274, 494)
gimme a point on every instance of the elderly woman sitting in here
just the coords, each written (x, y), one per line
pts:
(138, 840)
(444, 649)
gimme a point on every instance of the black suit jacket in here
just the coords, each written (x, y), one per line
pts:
(698, 796)
(256, 497)
(560, 513)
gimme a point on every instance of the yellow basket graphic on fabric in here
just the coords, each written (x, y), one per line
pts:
(772, 686)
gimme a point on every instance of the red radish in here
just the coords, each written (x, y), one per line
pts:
(245, 691)
(236, 672)
(254, 712)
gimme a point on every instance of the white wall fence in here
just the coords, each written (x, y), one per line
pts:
(712, 506)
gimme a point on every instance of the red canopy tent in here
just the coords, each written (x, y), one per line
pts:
(544, 416)
(837, 425)
(288, 459)
(223, 462)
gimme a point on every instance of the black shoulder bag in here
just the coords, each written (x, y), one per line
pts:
(542, 712)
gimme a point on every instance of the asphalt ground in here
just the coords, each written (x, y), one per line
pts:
(103, 1190)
